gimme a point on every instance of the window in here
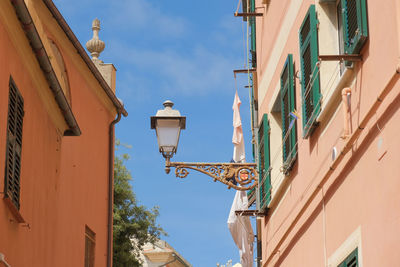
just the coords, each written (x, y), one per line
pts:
(351, 260)
(355, 30)
(348, 20)
(13, 147)
(352, 27)
(310, 83)
(289, 137)
(264, 172)
(90, 244)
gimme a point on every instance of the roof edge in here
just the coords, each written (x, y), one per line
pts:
(35, 42)
(81, 51)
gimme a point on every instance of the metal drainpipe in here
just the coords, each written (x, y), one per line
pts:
(346, 110)
(259, 242)
(111, 188)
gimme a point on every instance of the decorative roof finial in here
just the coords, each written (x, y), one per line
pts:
(95, 46)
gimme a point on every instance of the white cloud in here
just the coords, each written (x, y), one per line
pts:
(125, 16)
(132, 86)
(157, 51)
(194, 73)
(144, 16)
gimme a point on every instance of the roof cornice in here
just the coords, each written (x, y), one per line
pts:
(81, 51)
(37, 46)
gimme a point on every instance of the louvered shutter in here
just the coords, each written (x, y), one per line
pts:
(254, 109)
(253, 35)
(355, 25)
(310, 82)
(251, 194)
(14, 145)
(288, 105)
(264, 174)
(351, 260)
(245, 9)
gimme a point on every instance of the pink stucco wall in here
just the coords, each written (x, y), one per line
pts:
(323, 206)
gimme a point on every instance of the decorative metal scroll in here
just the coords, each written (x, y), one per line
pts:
(240, 176)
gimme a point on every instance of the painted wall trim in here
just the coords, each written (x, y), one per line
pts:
(350, 244)
(279, 46)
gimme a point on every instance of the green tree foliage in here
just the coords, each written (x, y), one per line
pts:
(134, 225)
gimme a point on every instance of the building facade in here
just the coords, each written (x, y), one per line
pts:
(57, 116)
(162, 254)
(326, 97)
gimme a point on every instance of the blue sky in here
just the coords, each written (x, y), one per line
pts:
(184, 51)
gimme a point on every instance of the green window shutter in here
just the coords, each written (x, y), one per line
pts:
(288, 105)
(252, 6)
(14, 145)
(310, 82)
(253, 35)
(244, 9)
(351, 260)
(251, 194)
(253, 43)
(264, 174)
(355, 25)
(253, 110)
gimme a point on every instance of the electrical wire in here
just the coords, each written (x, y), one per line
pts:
(329, 85)
(300, 197)
(302, 140)
(311, 82)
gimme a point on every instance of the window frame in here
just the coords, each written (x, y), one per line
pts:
(349, 259)
(90, 247)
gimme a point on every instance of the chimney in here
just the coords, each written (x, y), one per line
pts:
(95, 46)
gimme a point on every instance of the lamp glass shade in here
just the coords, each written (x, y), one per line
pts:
(168, 131)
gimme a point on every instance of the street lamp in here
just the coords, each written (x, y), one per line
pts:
(168, 124)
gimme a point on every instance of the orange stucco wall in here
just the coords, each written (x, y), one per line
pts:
(64, 180)
(321, 207)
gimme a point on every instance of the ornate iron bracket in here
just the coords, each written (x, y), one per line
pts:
(240, 176)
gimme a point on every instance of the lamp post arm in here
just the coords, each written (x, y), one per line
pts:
(240, 176)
